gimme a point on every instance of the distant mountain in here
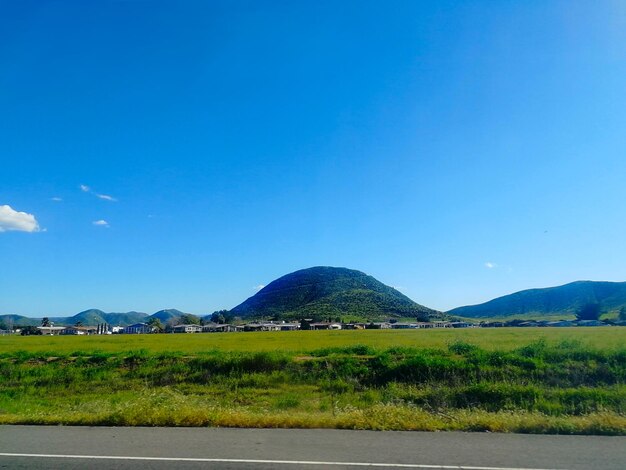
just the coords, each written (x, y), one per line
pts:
(91, 317)
(325, 291)
(127, 318)
(566, 299)
(17, 320)
(167, 314)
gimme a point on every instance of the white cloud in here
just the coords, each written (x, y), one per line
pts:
(17, 221)
(259, 287)
(56, 199)
(101, 223)
(87, 189)
(490, 265)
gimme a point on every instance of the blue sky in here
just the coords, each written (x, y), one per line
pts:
(180, 154)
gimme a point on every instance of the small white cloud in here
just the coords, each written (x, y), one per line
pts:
(490, 265)
(56, 199)
(12, 220)
(101, 223)
(87, 189)
(259, 287)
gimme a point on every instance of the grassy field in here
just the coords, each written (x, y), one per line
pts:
(503, 380)
(303, 341)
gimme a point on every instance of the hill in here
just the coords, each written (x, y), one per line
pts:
(11, 320)
(167, 314)
(125, 318)
(323, 291)
(93, 316)
(90, 317)
(561, 300)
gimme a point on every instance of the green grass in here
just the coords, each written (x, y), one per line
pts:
(504, 380)
(302, 341)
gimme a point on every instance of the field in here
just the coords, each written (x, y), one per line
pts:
(304, 341)
(508, 380)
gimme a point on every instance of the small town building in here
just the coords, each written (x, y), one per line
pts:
(51, 330)
(187, 329)
(137, 328)
(79, 330)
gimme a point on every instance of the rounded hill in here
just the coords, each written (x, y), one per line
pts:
(325, 291)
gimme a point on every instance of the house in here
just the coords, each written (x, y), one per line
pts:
(319, 326)
(403, 326)
(561, 323)
(187, 329)
(423, 325)
(334, 326)
(50, 330)
(289, 326)
(79, 330)
(589, 323)
(219, 328)
(137, 328)
(442, 324)
(261, 327)
(353, 326)
(460, 324)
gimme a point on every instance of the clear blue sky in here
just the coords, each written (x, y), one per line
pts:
(456, 150)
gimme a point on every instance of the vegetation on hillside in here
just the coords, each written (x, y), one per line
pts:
(562, 300)
(327, 292)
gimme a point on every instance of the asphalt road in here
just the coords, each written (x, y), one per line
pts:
(66, 447)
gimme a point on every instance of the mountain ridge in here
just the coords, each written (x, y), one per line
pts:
(565, 299)
(93, 317)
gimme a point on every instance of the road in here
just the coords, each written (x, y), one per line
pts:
(68, 447)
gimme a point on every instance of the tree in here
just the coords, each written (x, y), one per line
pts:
(622, 314)
(189, 319)
(218, 318)
(589, 311)
(156, 325)
(78, 323)
(422, 317)
(30, 330)
(221, 316)
(45, 321)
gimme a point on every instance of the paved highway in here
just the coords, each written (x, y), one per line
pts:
(59, 447)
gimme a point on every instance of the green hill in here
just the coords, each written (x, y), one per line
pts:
(92, 316)
(12, 320)
(167, 314)
(125, 318)
(561, 300)
(324, 291)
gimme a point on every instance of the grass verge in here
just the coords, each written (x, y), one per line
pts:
(540, 387)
